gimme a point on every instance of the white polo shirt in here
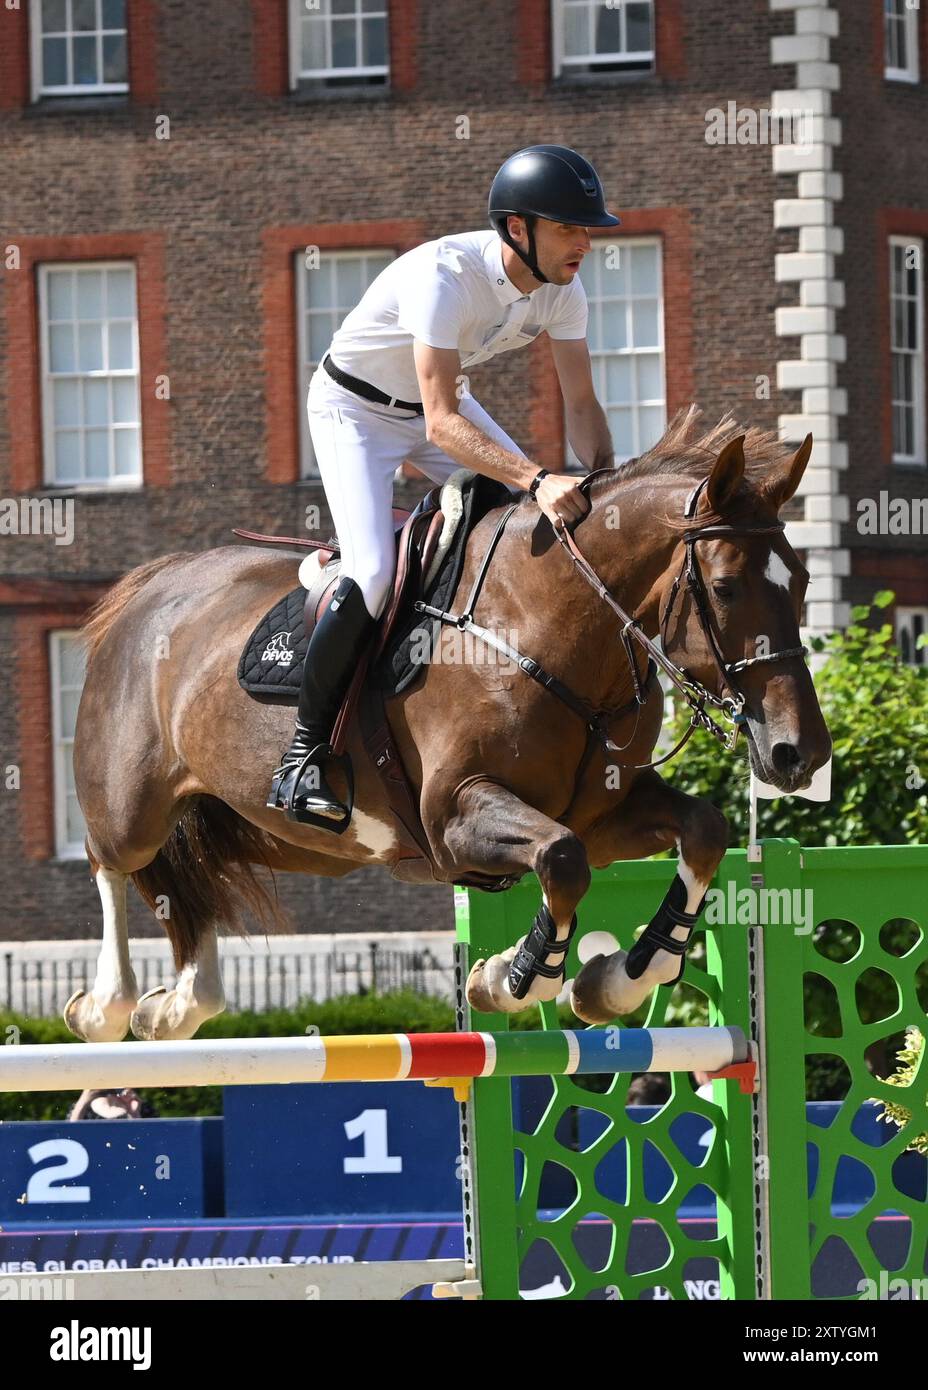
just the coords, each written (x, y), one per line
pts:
(449, 293)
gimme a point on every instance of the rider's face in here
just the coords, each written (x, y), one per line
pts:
(559, 247)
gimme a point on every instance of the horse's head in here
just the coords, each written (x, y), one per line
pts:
(750, 584)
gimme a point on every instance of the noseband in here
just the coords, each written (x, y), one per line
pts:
(696, 695)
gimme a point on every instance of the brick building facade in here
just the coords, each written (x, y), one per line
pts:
(172, 162)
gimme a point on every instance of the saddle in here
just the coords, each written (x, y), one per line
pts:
(430, 555)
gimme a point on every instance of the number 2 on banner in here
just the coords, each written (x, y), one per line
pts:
(46, 1184)
(371, 1125)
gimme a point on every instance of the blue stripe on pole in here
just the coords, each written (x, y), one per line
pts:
(614, 1049)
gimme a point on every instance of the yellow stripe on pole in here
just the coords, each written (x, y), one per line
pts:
(358, 1058)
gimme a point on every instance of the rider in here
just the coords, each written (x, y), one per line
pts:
(391, 389)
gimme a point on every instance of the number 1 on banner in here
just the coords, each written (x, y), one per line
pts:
(371, 1125)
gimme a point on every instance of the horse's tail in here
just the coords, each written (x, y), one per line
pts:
(104, 614)
(204, 874)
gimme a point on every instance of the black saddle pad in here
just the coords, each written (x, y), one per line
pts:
(271, 664)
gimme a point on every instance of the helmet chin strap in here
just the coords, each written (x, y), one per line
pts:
(528, 256)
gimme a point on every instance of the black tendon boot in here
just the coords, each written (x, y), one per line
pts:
(335, 648)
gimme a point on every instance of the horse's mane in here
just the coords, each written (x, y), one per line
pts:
(688, 448)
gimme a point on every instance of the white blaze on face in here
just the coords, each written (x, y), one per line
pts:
(777, 571)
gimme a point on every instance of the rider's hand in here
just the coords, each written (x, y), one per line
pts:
(560, 498)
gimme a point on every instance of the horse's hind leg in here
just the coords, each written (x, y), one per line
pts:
(198, 993)
(113, 1005)
(197, 996)
(103, 1014)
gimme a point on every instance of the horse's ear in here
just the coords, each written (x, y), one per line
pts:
(780, 487)
(726, 475)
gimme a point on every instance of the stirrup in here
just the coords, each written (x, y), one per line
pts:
(530, 960)
(285, 790)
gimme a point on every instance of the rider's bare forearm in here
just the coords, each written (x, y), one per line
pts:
(471, 448)
(588, 432)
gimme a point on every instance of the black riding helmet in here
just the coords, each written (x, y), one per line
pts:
(548, 181)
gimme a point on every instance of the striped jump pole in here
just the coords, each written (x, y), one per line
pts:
(379, 1057)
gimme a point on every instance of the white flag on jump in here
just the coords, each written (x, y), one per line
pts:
(819, 790)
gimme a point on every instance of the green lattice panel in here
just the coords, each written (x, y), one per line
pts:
(866, 888)
(855, 893)
(619, 901)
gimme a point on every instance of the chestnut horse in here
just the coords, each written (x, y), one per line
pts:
(172, 759)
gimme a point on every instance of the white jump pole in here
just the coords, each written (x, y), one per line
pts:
(385, 1057)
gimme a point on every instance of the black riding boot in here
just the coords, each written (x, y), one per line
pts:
(335, 648)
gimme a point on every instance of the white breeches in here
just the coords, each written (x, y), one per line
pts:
(358, 446)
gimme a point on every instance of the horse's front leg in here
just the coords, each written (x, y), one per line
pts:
(492, 831)
(654, 816)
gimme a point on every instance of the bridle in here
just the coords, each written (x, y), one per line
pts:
(696, 695)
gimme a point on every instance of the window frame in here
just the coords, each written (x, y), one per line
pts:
(912, 73)
(590, 64)
(61, 746)
(919, 459)
(318, 77)
(904, 614)
(83, 89)
(596, 354)
(114, 481)
(304, 374)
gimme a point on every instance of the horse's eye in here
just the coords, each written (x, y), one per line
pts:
(722, 589)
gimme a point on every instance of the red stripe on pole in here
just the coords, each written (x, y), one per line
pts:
(446, 1054)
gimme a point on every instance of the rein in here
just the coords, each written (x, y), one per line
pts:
(693, 691)
(696, 695)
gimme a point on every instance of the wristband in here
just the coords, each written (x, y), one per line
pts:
(533, 485)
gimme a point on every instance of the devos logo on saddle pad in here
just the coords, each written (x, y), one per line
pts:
(279, 650)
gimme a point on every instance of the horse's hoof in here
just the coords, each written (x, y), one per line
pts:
(587, 991)
(477, 990)
(603, 990)
(487, 989)
(147, 1021)
(67, 1013)
(162, 1013)
(90, 1022)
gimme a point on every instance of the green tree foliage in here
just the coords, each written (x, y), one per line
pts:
(876, 708)
(909, 1058)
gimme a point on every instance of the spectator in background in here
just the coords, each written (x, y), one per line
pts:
(703, 1084)
(649, 1089)
(124, 1104)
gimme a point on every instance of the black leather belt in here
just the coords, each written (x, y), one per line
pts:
(364, 388)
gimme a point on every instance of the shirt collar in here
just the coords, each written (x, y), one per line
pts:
(506, 292)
